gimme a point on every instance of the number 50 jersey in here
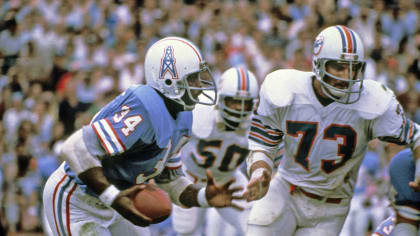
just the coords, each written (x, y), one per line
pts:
(212, 147)
(324, 144)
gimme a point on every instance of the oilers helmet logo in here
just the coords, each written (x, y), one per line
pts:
(319, 42)
(167, 64)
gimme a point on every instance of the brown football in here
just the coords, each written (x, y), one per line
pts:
(154, 203)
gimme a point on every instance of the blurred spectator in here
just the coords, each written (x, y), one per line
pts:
(10, 41)
(60, 60)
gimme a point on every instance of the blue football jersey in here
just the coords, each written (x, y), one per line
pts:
(135, 137)
(385, 228)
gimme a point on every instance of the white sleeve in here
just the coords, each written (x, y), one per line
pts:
(265, 134)
(76, 154)
(393, 126)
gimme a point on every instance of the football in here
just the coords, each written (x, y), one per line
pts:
(153, 202)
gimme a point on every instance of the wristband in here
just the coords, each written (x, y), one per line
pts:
(258, 156)
(201, 198)
(108, 196)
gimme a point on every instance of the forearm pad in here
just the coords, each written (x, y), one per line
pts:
(75, 153)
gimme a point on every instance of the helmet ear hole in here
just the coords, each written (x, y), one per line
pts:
(168, 82)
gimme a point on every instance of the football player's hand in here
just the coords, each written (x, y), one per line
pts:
(221, 196)
(415, 185)
(124, 205)
(258, 185)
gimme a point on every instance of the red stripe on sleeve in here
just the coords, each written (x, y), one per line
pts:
(100, 139)
(116, 135)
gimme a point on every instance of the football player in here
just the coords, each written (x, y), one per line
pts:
(325, 119)
(406, 202)
(132, 139)
(219, 143)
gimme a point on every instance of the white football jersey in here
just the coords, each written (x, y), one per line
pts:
(324, 145)
(212, 147)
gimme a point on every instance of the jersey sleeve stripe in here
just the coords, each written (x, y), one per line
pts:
(252, 138)
(267, 130)
(259, 139)
(174, 165)
(258, 123)
(174, 159)
(108, 130)
(102, 138)
(174, 162)
(116, 135)
(264, 133)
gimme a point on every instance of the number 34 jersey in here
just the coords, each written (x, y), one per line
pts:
(212, 147)
(135, 137)
(324, 145)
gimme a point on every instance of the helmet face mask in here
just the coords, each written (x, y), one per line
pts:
(199, 83)
(174, 66)
(238, 95)
(341, 88)
(338, 62)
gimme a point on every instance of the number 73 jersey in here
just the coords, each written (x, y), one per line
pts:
(324, 145)
(212, 147)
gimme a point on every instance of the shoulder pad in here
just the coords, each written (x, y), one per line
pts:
(281, 86)
(374, 101)
(157, 112)
(203, 120)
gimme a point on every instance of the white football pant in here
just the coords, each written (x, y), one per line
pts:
(286, 214)
(70, 211)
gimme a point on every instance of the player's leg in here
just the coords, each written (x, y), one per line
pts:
(273, 215)
(123, 227)
(354, 220)
(407, 202)
(53, 192)
(45, 225)
(188, 221)
(314, 232)
(215, 224)
(318, 217)
(70, 211)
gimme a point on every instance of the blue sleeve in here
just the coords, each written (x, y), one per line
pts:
(402, 170)
(121, 123)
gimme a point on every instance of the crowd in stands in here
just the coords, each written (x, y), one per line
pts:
(60, 61)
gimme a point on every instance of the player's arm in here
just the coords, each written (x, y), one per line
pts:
(264, 136)
(416, 154)
(184, 193)
(260, 168)
(393, 126)
(264, 141)
(88, 168)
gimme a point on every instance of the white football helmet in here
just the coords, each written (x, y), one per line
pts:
(237, 85)
(175, 67)
(338, 45)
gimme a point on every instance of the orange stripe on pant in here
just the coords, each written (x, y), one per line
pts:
(55, 193)
(68, 208)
